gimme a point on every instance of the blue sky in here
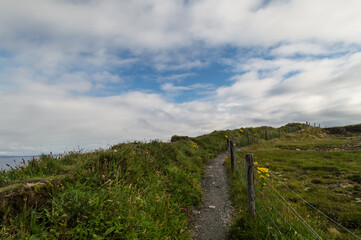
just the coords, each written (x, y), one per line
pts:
(93, 73)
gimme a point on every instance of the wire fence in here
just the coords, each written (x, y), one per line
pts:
(283, 218)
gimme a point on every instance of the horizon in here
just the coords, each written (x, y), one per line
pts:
(95, 73)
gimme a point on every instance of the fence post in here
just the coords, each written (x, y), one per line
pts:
(227, 147)
(248, 140)
(266, 134)
(251, 194)
(232, 155)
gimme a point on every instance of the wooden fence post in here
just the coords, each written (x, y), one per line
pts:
(232, 155)
(227, 147)
(266, 135)
(251, 194)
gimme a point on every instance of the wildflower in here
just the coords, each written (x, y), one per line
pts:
(115, 150)
(109, 180)
(241, 130)
(255, 163)
(226, 136)
(263, 172)
(194, 145)
(103, 176)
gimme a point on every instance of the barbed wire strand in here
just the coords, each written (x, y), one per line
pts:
(303, 221)
(315, 207)
(315, 233)
(294, 212)
(274, 207)
(260, 216)
(243, 179)
(274, 224)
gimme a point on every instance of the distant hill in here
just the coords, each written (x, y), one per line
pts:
(344, 129)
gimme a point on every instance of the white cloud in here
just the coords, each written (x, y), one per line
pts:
(169, 87)
(55, 56)
(247, 86)
(176, 77)
(322, 91)
(303, 48)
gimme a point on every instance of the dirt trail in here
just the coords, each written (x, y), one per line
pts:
(211, 220)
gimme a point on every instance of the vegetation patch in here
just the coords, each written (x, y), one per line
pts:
(308, 179)
(130, 191)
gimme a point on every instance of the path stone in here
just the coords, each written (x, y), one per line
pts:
(214, 215)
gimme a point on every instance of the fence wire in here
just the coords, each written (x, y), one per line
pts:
(241, 173)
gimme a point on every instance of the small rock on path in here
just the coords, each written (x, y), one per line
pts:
(210, 221)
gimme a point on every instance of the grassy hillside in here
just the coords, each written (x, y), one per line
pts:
(130, 191)
(312, 171)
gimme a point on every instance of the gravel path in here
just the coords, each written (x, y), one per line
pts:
(211, 220)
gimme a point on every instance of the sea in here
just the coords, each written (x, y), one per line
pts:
(13, 161)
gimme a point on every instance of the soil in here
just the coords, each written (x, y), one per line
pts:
(211, 220)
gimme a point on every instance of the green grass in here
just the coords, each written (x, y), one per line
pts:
(325, 170)
(130, 191)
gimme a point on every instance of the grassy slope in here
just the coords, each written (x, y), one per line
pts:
(325, 170)
(133, 190)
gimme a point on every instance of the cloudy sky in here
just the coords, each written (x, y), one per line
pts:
(91, 73)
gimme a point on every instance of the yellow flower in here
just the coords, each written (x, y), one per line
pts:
(263, 172)
(194, 145)
(255, 163)
(241, 130)
(226, 136)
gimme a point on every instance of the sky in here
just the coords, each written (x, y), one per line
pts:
(87, 74)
